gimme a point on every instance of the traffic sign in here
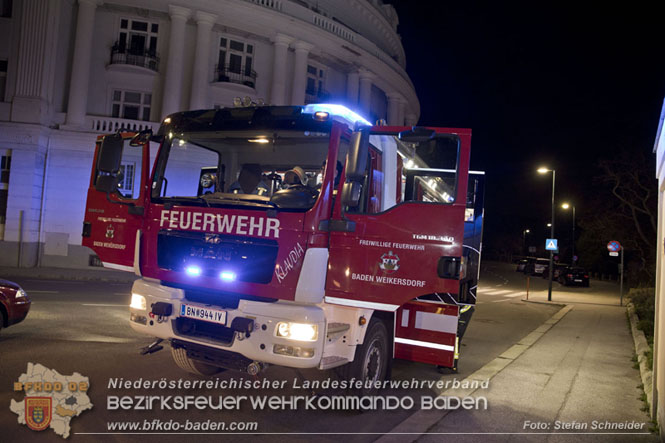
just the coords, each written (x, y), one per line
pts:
(532, 249)
(614, 246)
(614, 254)
(551, 244)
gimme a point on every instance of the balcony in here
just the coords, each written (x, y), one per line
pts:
(235, 74)
(143, 58)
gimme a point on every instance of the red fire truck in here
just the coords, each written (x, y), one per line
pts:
(290, 235)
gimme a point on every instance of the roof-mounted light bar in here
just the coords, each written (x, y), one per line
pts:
(337, 112)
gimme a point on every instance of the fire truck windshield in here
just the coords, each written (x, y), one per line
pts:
(280, 169)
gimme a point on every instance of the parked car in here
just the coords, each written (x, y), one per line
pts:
(521, 264)
(574, 275)
(14, 303)
(558, 267)
(539, 266)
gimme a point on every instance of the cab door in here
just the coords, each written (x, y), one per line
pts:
(117, 198)
(413, 248)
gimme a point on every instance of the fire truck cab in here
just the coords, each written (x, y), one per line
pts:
(289, 235)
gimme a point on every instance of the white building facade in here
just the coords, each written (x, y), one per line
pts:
(73, 69)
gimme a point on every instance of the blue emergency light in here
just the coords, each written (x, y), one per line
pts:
(338, 112)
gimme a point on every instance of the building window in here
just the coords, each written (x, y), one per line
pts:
(315, 90)
(138, 37)
(131, 105)
(5, 8)
(235, 62)
(126, 185)
(136, 44)
(3, 79)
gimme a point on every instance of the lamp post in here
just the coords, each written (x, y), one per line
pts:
(545, 171)
(524, 233)
(567, 206)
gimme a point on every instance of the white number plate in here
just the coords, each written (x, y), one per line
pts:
(206, 314)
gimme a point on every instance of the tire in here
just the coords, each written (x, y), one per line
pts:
(192, 366)
(372, 359)
(3, 318)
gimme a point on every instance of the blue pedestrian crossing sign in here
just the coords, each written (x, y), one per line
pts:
(551, 244)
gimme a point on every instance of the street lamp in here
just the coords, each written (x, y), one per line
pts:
(545, 171)
(524, 233)
(566, 206)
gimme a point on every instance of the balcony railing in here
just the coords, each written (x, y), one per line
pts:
(111, 124)
(127, 56)
(240, 76)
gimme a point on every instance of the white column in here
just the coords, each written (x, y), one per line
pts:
(365, 94)
(200, 75)
(173, 77)
(352, 80)
(393, 108)
(281, 49)
(78, 84)
(411, 119)
(300, 72)
(401, 111)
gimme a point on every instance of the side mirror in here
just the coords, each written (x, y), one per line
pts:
(106, 183)
(356, 159)
(351, 193)
(110, 154)
(141, 138)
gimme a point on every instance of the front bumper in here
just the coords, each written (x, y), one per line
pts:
(258, 345)
(18, 311)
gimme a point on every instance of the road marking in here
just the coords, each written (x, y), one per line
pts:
(121, 293)
(102, 304)
(33, 291)
(499, 301)
(55, 281)
(505, 291)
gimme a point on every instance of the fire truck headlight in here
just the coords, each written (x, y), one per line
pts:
(297, 331)
(138, 302)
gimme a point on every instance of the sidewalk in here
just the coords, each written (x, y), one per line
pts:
(575, 370)
(85, 274)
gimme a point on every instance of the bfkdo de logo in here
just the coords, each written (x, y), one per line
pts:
(51, 399)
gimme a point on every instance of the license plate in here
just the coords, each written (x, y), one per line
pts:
(206, 314)
(578, 280)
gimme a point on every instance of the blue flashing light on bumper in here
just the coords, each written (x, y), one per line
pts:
(227, 276)
(193, 271)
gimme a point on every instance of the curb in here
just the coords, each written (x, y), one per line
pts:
(417, 424)
(71, 275)
(641, 346)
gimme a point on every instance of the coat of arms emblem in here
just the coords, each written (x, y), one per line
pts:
(389, 262)
(38, 412)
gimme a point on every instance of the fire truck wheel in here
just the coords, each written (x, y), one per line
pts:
(190, 365)
(372, 359)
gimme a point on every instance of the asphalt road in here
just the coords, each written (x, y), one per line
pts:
(83, 327)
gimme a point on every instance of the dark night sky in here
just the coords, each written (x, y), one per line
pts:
(539, 84)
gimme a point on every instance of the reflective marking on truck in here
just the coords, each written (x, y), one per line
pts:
(220, 223)
(425, 344)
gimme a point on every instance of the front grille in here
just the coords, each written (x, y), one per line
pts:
(251, 260)
(188, 327)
